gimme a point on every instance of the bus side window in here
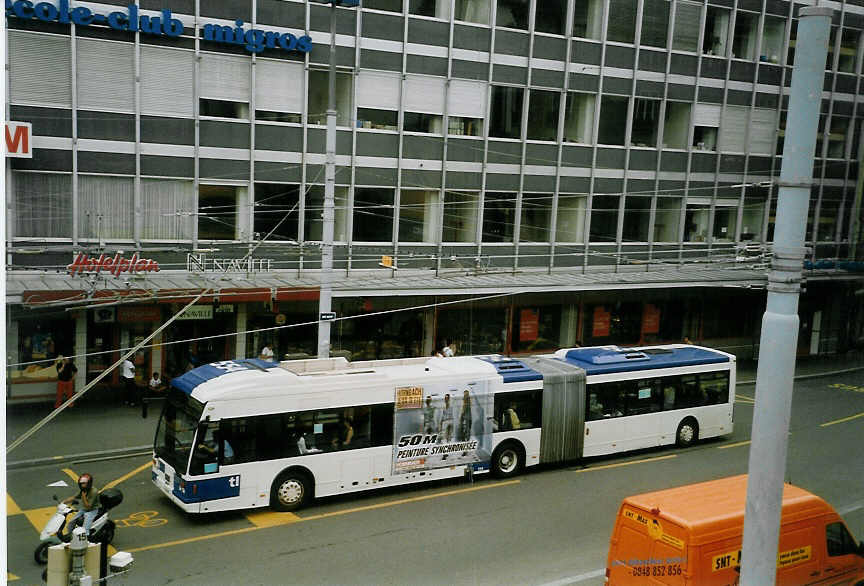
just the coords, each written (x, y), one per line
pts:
(382, 425)
(715, 387)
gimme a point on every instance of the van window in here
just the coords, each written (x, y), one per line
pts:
(838, 539)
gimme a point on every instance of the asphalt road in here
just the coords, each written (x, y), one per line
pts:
(548, 527)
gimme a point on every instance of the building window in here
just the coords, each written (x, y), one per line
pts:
(418, 213)
(696, 223)
(772, 39)
(499, 217)
(579, 118)
(622, 21)
(550, 16)
(781, 132)
(506, 119)
(378, 119)
(667, 218)
(705, 138)
(313, 213)
(43, 205)
(433, 8)
(535, 224)
(472, 11)
(613, 120)
(655, 23)
(733, 129)
(543, 115)
(725, 220)
(167, 207)
(460, 216)
(637, 212)
(223, 109)
(588, 19)
(426, 123)
(276, 212)
(793, 36)
(676, 125)
(753, 213)
(685, 36)
(837, 137)
(570, 223)
(646, 119)
(106, 207)
(745, 39)
(465, 126)
(848, 51)
(829, 211)
(604, 218)
(716, 39)
(218, 207)
(268, 116)
(319, 97)
(373, 214)
(388, 5)
(512, 14)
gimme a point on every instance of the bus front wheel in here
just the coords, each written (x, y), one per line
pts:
(507, 460)
(290, 491)
(688, 433)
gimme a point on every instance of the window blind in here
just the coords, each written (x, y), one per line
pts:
(706, 115)
(685, 36)
(106, 76)
(106, 207)
(40, 69)
(378, 90)
(167, 207)
(43, 204)
(733, 130)
(279, 86)
(424, 94)
(467, 99)
(225, 77)
(166, 81)
(762, 131)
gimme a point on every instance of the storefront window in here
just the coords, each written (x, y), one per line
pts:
(40, 342)
(536, 328)
(612, 323)
(373, 337)
(473, 329)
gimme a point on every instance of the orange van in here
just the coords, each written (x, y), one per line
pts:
(691, 535)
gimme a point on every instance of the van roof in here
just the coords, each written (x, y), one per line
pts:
(709, 507)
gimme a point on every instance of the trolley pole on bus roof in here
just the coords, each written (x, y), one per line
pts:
(326, 291)
(779, 337)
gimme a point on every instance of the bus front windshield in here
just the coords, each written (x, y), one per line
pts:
(176, 430)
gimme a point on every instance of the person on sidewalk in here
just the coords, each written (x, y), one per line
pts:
(130, 389)
(266, 353)
(66, 370)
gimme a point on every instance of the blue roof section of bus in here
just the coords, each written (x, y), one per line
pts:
(512, 371)
(197, 376)
(604, 360)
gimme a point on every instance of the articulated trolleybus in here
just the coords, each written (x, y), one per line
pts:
(249, 433)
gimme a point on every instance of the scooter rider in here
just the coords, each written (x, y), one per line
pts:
(89, 497)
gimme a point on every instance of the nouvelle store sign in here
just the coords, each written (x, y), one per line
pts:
(253, 40)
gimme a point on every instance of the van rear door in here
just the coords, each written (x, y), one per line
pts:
(646, 550)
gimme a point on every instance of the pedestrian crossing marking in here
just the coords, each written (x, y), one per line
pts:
(10, 576)
(271, 519)
(12, 507)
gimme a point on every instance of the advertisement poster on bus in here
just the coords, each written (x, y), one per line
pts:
(440, 425)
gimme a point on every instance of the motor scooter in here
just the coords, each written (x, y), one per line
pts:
(101, 531)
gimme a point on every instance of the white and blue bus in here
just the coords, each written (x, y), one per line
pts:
(248, 433)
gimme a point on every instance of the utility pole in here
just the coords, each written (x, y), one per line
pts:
(326, 293)
(856, 238)
(774, 376)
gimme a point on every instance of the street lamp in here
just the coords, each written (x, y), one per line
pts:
(326, 293)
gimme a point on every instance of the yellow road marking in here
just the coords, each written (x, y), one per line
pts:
(71, 474)
(11, 507)
(743, 396)
(735, 445)
(39, 517)
(845, 419)
(321, 516)
(271, 518)
(604, 467)
(128, 475)
(10, 576)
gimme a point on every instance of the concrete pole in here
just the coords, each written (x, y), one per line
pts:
(856, 238)
(326, 297)
(776, 369)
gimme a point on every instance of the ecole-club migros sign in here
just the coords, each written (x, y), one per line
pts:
(131, 20)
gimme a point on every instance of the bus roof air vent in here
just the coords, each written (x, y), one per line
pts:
(613, 357)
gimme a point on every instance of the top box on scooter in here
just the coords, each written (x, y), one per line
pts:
(110, 497)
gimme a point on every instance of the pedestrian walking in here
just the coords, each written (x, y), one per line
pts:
(66, 370)
(130, 389)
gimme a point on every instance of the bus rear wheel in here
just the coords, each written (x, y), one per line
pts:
(290, 491)
(507, 460)
(688, 433)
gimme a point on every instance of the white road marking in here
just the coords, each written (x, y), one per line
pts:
(578, 578)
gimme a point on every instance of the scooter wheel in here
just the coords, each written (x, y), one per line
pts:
(41, 553)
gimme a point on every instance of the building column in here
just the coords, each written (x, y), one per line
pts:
(156, 355)
(240, 339)
(80, 349)
(569, 326)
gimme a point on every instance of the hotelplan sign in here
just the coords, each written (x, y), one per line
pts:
(158, 24)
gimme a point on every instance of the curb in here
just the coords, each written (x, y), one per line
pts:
(808, 376)
(85, 457)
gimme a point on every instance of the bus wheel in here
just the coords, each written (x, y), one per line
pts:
(289, 491)
(688, 433)
(507, 460)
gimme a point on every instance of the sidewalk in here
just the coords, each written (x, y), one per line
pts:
(93, 429)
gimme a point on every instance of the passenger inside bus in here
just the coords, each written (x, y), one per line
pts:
(306, 442)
